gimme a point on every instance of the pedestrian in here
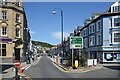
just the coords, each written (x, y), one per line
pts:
(32, 58)
(98, 60)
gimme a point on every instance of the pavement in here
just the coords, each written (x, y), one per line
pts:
(10, 73)
(79, 69)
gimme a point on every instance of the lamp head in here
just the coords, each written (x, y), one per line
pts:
(53, 12)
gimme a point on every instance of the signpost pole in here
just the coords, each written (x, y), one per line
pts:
(16, 73)
(17, 64)
(76, 42)
(72, 57)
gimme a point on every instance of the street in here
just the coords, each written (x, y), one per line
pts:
(46, 69)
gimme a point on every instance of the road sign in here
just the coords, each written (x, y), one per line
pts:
(17, 63)
(76, 42)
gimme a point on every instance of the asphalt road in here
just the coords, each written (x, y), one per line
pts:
(46, 69)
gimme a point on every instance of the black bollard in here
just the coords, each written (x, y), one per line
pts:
(16, 74)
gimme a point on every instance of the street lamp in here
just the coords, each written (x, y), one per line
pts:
(54, 12)
(26, 45)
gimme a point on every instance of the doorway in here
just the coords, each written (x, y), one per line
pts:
(17, 54)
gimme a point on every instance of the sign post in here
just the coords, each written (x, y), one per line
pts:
(17, 64)
(76, 42)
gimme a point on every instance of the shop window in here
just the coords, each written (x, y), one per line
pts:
(108, 56)
(118, 56)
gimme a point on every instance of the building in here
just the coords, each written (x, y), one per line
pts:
(101, 35)
(13, 24)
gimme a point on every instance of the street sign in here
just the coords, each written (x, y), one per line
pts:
(76, 42)
(17, 63)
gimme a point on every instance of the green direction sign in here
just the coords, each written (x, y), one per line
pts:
(76, 42)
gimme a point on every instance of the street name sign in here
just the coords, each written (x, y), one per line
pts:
(76, 42)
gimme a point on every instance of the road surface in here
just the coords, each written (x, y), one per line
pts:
(46, 69)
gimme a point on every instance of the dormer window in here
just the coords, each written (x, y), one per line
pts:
(116, 8)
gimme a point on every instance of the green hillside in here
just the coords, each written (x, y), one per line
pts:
(43, 44)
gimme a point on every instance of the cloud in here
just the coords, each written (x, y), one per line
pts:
(32, 32)
(57, 35)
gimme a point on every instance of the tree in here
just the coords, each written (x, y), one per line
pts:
(82, 59)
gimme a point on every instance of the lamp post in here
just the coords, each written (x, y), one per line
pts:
(26, 45)
(54, 12)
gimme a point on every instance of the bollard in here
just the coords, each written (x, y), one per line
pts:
(16, 74)
(76, 64)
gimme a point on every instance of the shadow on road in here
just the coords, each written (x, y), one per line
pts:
(113, 67)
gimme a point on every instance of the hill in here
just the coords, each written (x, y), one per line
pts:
(42, 44)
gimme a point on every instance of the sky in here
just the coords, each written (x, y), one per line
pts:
(46, 27)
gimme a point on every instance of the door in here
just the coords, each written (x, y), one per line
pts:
(17, 54)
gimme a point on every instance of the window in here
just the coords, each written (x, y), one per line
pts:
(99, 25)
(85, 32)
(116, 8)
(91, 29)
(17, 17)
(117, 21)
(4, 15)
(4, 31)
(17, 3)
(92, 40)
(116, 37)
(17, 32)
(4, 2)
(2, 49)
(98, 39)
(85, 43)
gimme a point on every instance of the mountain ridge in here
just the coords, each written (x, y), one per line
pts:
(42, 44)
